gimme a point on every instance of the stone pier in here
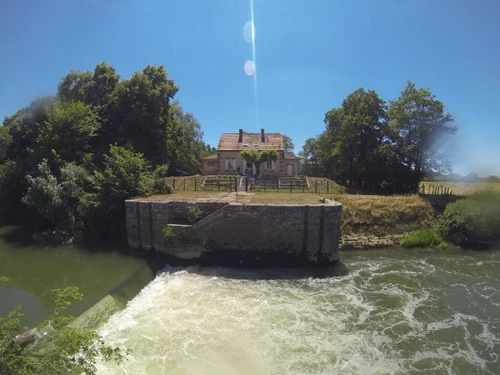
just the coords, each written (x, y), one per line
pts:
(235, 233)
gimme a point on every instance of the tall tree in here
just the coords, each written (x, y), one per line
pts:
(74, 86)
(67, 132)
(185, 140)
(5, 140)
(419, 122)
(357, 130)
(309, 157)
(141, 110)
(288, 144)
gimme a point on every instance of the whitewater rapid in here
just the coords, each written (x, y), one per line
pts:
(418, 313)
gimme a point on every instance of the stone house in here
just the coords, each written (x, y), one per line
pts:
(228, 161)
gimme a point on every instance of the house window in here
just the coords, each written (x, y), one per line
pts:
(230, 164)
(270, 165)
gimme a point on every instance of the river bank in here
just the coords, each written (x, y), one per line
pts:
(368, 221)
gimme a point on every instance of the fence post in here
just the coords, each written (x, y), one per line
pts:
(195, 184)
(328, 187)
(185, 183)
(236, 184)
(265, 184)
(303, 187)
(316, 186)
(173, 184)
(246, 183)
(218, 184)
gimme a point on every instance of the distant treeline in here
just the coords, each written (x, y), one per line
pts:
(456, 177)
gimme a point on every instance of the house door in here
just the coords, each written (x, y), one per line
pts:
(249, 168)
(289, 170)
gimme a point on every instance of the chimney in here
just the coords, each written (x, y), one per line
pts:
(240, 137)
(262, 137)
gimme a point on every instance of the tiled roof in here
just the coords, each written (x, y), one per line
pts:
(229, 141)
(290, 156)
(210, 157)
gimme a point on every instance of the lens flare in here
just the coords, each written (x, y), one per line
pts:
(249, 32)
(249, 68)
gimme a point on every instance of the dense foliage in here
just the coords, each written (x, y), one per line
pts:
(288, 145)
(55, 347)
(423, 238)
(259, 157)
(472, 221)
(367, 142)
(68, 162)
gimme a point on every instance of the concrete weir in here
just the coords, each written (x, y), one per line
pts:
(235, 233)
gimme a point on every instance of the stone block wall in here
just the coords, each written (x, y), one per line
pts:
(277, 234)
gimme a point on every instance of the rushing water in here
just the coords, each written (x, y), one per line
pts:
(395, 312)
(34, 271)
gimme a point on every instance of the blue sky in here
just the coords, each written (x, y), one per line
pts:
(309, 56)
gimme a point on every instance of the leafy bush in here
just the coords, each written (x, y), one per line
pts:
(57, 199)
(423, 238)
(195, 214)
(78, 205)
(54, 347)
(126, 174)
(472, 220)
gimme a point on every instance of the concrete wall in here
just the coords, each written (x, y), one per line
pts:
(295, 166)
(272, 235)
(209, 166)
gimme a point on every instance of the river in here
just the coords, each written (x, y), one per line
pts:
(394, 312)
(104, 272)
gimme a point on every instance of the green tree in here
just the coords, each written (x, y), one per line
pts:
(54, 347)
(57, 200)
(356, 131)
(288, 144)
(309, 157)
(419, 123)
(74, 86)
(101, 87)
(185, 140)
(5, 140)
(66, 138)
(126, 174)
(24, 127)
(141, 113)
(209, 150)
(258, 157)
(69, 128)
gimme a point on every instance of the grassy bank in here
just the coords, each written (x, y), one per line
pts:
(381, 216)
(466, 188)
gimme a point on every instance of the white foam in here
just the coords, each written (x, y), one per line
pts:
(216, 321)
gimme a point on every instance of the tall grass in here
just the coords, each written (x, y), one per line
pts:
(382, 215)
(423, 238)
